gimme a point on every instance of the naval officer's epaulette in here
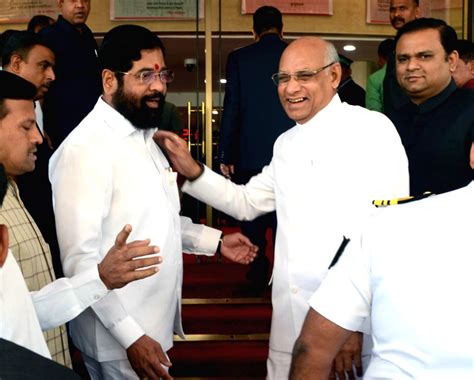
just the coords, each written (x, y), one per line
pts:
(397, 201)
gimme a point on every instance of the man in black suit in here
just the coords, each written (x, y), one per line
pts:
(400, 12)
(78, 83)
(253, 118)
(348, 90)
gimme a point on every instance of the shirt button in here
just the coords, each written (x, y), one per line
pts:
(96, 297)
(294, 289)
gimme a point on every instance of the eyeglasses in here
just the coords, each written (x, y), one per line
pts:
(149, 76)
(300, 76)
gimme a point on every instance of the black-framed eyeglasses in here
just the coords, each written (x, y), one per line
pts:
(300, 76)
(149, 76)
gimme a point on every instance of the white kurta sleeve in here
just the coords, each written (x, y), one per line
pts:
(65, 298)
(81, 182)
(344, 297)
(199, 239)
(243, 202)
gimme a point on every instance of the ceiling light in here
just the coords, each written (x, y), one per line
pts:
(349, 48)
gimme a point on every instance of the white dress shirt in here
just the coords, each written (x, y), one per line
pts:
(322, 179)
(39, 116)
(411, 272)
(104, 175)
(18, 321)
(23, 315)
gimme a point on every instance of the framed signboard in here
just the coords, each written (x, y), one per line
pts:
(14, 11)
(311, 7)
(155, 9)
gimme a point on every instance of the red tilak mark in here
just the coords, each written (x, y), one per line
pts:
(157, 67)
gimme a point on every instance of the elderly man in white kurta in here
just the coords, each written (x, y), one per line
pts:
(324, 173)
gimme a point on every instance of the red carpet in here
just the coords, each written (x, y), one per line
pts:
(227, 330)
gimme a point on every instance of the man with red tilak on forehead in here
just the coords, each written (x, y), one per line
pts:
(109, 170)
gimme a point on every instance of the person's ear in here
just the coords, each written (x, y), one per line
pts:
(109, 82)
(336, 74)
(255, 35)
(3, 244)
(15, 63)
(453, 59)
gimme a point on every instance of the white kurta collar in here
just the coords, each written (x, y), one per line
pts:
(324, 116)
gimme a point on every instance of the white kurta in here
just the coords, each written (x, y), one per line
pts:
(411, 272)
(107, 174)
(322, 179)
(24, 315)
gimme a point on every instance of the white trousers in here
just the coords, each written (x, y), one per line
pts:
(109, 370)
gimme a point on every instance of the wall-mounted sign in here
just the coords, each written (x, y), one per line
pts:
(312, 7)
(13, 11)
(155, 9)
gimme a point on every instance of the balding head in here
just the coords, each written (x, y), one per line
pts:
(314, 74)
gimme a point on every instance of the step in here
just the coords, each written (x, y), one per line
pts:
(220, 359)
(217, 280)
(226, 316)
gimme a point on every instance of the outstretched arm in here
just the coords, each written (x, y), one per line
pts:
(243, 202)
(65, 298)
(178, 153)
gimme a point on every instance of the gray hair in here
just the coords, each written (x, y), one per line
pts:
(330, 54)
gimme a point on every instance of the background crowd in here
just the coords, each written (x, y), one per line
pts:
(89, 150)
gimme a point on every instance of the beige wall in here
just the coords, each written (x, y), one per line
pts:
(348, 18)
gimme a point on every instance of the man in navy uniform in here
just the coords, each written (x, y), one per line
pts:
(414, 285)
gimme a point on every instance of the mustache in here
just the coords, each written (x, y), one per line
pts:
(398, 19)
(153, 96)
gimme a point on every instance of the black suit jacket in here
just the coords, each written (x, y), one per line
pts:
(17, 362)
(78, 81)
(253, 117)
(351, 93)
